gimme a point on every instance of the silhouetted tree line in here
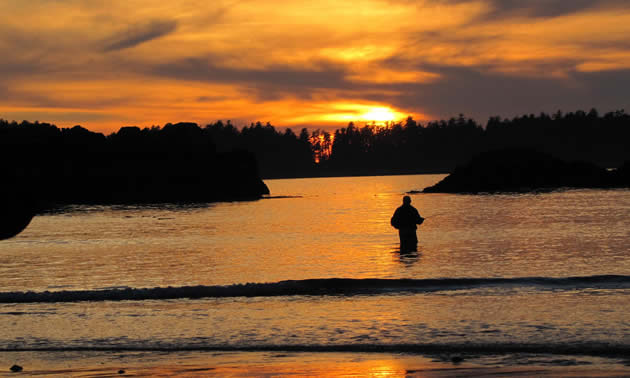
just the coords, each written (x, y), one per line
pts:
(403, 147)
(279, 154)
(184, 151)
(603, 140)
(440, 146)
(174, 163)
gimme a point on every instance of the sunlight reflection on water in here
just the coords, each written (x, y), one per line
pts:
(338, 227)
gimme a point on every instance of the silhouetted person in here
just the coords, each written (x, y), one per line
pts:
(405, 220)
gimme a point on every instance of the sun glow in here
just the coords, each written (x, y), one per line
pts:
(379, 114)
(344, 112)
(303, 64)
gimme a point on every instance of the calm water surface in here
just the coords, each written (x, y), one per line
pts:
(333, 227)
(330, 228)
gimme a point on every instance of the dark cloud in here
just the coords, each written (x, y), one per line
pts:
(479, 93)
(212, 17)
(44, 67)
(57, 99)
(267, 83)
(138, 34)
(534, 8)
(72, 118)
(12, 68)
(542, 8)
(37, 66)
(606, 88)
(211, 98)
(25, 40)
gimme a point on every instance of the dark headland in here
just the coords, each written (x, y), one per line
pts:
(45, 166)
(526, 170)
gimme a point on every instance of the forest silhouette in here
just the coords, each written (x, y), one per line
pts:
(175, 163)
(435, 147)
(187, 162)
(441, 146)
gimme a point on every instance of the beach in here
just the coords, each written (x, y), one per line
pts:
(267, 364)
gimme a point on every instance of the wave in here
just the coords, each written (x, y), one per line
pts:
(318, 287)
(600, 349)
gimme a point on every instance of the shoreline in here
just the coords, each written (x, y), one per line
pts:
(366, 173)
(230, 363)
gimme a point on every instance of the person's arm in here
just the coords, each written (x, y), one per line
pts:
(419, 218)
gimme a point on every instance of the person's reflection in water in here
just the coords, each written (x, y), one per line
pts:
(408, 258)
(405, 220)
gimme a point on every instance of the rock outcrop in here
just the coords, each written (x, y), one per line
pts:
(523, 170)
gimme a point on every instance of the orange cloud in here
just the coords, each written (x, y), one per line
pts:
(315, 63)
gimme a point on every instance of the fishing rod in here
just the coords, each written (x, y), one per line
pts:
(435, 215)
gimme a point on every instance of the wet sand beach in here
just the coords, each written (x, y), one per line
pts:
(268, 364)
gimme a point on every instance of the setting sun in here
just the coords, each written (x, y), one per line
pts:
(379, 114)
(364, 113)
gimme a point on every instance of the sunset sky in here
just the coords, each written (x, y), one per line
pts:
(104, 64)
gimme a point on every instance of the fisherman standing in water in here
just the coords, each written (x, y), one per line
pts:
(405, 220)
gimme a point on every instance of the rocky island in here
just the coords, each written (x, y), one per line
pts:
(524, 170)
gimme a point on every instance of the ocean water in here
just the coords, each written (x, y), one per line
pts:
(499, 279)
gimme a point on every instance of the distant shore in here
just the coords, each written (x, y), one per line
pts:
(358, 173)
